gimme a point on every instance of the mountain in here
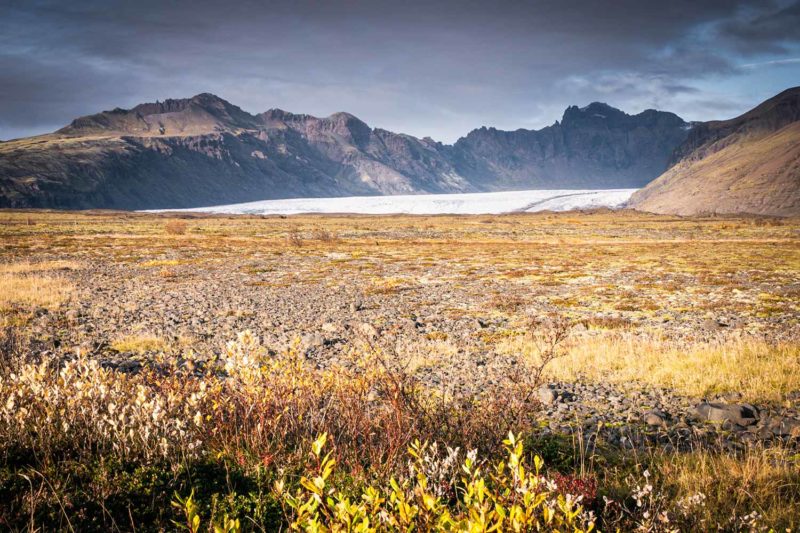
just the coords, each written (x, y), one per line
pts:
(749, 164)
(596, 146)
(204, 151)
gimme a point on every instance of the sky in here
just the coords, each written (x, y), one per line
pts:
(433, 68)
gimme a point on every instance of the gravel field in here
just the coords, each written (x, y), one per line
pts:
(450, 298)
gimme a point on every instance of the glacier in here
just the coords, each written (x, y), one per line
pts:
(432, 204)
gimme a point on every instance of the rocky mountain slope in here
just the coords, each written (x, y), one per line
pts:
(205, 151)
(749, 164)
(596, 146)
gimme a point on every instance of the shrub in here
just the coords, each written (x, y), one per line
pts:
(294, 239)
(510, 496)
(175, 227)
(325, 236)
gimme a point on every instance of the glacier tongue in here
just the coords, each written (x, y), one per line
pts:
(432, 204)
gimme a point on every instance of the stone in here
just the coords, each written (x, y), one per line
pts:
(784, 426)
(655, 418)
(128, 365)
(793, 397)
(367, 330)
(740, 414)
(547, 395)
(313, 340)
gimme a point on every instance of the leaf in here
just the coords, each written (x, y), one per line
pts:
(538, 463)
(318, 444)
(309, 485)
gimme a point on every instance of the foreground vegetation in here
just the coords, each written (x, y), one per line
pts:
(208, 435)
(89, 448)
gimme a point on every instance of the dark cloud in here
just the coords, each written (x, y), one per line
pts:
(426, 68)
(772, 28)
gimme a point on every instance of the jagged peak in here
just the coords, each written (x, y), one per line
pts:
(208, 97)
(205, 112)
(202, 100)
(343, 115)
(283, 115)
(594, 110)
(598, 106)
(348, 119)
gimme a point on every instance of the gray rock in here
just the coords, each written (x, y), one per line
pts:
(547, 395)
(784, 426)
(329, 327)
(367, 330)
(740, 414)
(655, 418)
(313, 340)
(793, 396)
(129, 365)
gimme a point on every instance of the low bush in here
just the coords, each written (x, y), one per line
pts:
(88, 448)
(175, 227)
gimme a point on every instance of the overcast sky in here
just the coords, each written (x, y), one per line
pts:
(430, 68)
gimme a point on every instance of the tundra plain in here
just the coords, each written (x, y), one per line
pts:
(651, 362)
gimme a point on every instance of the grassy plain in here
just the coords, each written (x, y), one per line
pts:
(119, 389)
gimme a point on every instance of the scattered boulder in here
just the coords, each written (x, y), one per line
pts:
(367, 330)
(793, 397)
(784, 426)
(313, 340)
(739, 414)
(711, 324)
(655, 418)
(329, 327)
(547, 395)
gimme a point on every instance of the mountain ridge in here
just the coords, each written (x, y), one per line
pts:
(205, 150)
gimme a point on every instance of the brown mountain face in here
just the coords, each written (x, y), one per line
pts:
(204, 113)
(204, 151)
(749, 164)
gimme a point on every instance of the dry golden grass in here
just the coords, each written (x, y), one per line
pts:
(250, 425)
(759, 370)
(44, 266)
(140, 344)
(29, 290)
(761, 480)
(161, 263)
(22, 284)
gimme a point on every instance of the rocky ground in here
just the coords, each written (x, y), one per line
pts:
(440, 295)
